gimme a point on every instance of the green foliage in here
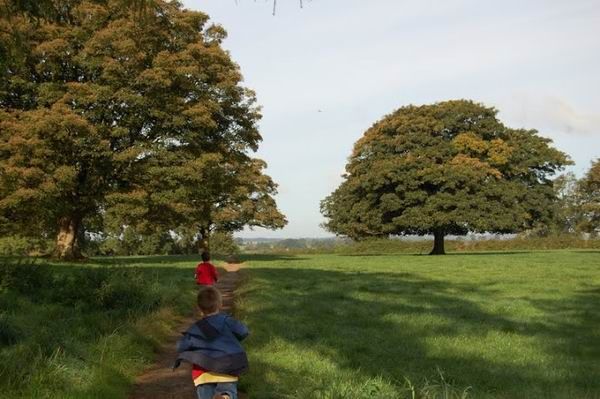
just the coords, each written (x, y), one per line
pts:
(567, 213)
(133, 243)
(24, 246)
(222, 243)
(499, 325)
(590, 200)
(577, 209)
(139, 119)
(446, 168)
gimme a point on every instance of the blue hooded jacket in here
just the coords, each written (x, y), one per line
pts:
(213, 343)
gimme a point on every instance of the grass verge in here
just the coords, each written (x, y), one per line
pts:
(84, 331)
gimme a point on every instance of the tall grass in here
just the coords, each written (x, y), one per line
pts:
(72, 331)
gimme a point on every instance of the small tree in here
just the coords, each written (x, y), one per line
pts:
(446, 168)
(589, 189)
(567, 213)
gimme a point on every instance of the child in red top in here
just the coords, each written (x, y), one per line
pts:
(206, 273)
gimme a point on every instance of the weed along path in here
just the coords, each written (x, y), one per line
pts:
(160, 381)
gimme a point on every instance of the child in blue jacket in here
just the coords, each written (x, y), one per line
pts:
(212, 346)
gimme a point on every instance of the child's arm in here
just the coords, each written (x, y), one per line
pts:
(238, 328)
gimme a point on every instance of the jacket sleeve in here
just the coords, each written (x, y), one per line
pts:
(238, 328)
(184, 343)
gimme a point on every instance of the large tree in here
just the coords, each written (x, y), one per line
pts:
(447, 168)
(97, 97)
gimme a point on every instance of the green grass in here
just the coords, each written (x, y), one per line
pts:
(85, 330)
(487, 325)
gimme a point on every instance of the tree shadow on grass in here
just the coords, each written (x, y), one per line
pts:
(387, 324)
(576, 327)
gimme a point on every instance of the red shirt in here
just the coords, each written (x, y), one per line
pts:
(206, 274)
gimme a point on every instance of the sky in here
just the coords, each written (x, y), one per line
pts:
(324, 73)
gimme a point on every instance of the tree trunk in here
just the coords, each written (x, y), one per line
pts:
(204, 242)
(438, 243)
(67, 247)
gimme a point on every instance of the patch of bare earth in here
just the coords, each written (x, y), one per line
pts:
(160, 381)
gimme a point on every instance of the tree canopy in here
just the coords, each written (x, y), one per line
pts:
(142, 122)
(589, 190)
(447, 168)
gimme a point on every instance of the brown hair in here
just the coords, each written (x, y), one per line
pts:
(209, 300)
(205, 256)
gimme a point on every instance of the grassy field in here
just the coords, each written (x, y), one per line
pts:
(486, 325)
(81, 331)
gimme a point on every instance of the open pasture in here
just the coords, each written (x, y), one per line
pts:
(485, 325)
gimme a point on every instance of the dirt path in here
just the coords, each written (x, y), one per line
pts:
(159, 381)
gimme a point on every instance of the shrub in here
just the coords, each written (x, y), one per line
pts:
(24, 246)
(223, 244)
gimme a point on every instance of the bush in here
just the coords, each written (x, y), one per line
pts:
(24, 246)
(222, 244)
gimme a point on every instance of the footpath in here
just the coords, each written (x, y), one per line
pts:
(160, 381)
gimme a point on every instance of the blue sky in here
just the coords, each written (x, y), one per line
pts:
(325, 73)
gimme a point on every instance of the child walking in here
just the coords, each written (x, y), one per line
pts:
(206, 273)
(212, 346)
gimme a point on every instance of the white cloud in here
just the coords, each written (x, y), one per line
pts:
(551, 114)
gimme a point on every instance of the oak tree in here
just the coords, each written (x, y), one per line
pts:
(447, 168)
(97, 99)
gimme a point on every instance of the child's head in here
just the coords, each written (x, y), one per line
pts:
(209, 300)
(205, 256)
